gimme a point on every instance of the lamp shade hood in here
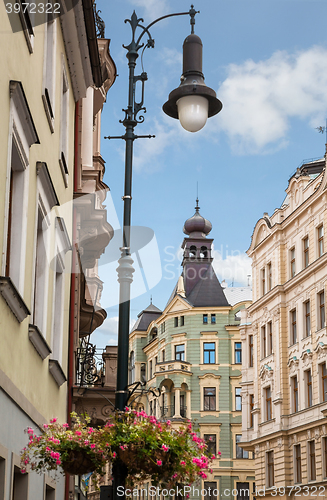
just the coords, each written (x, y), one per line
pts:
(192, 80)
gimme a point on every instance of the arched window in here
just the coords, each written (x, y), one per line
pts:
(192, 252)
(204, 252)
(132, 368)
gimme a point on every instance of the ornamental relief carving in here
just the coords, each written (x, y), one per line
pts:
(279, 442)
(321, 350)
(267, 375)
(293, 364)
(276, 312)
(257, 450)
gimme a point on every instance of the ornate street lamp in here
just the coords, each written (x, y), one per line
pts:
(192, 102)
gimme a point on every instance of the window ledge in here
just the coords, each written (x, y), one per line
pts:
(38, 341)
(57, 372)
(48, 112)
(63, 169)
(13, 298)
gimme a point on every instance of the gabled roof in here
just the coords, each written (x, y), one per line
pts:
(146, 317)
(208, 292)
(237, 294)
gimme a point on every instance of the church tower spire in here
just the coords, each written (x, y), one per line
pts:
(197, 249)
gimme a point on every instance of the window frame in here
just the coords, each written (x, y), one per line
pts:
(238, 398)
(321, 310)
(297, 464)
(237, 353)
(320, 240)
(238, 450)
(206, 350)
(179, 354)
(251, 351)
(293, 327)
(270, 347)
(213, 319)
(251, 406)
(305, 243)
(211, 399)
(268, 403)
(307, 318)
(295, 393)
(292, 262)
(270, 468)
(211, 441)
(263, 342)
(205, 319)
(312, 471)
(308, 384)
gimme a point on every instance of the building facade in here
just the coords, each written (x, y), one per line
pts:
(284, 377)
(51, 71)
(191, 351)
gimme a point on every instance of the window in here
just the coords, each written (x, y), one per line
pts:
(132, 367)
(292, 258)
(50, 493)
(243, 491)
(23, 135)
(321, 312)
(263, 281)
(251, 409)
(312, 461)
(308, 379)
(213, 319)
(63, 155)
(205, 319)
(320, 232)
(240, 453)
(268, 403)
(324, 381)
(324, 458)
(210, 490)
(250, 350)
(293, 327)
(210, 440)
(41, 273)
(270, 469)
(263, 341)
(180, 352)
(209, 353)
(163, 327)
(50, 69)
(2, 477)
(156, 360)
(270, 338)
(269, 277)
(163, 355)
(238, 353)
(175, 322)
(143, 372)
(307, 319)
(182, 320)
(238, 399)
(209, 398)
(150, 369)
(306, 252)
(20, 485)
(297, 464)
(295, 393)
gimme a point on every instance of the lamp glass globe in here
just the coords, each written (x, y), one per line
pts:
(193, 112)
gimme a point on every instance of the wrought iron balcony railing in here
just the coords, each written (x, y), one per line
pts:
(90, 367)
(167, 412)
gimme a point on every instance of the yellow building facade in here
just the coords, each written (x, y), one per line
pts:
(48, 64)
(284, 341)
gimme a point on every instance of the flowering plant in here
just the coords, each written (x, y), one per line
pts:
(147, 448)
(76, 450)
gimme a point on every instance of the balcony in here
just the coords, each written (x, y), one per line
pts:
(174, 366)
(168, 412)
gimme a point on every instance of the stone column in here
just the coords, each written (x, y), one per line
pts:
(177, 403)
(188, 404)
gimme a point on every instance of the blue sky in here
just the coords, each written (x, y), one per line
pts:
(267, 61)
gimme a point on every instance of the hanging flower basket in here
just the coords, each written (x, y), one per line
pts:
(149, 449)
(78, 462)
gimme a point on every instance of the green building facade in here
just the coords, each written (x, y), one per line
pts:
(191, 351)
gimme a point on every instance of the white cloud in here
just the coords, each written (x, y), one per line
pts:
(107, 333)
(259, 98)
(152, 8)
(235, 267)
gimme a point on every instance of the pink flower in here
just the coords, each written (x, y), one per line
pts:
(53, 421)
(174, 476)
(48, 449)
(30, 431)
(65, 425)
(219, 452)
(114, 454)
(78, 433)
(92, 446)
(45, 426)
(213, 457)
(58, 462)
(168, 422)
(183, 463)
(159, 462)
(122, 448)
(165, 448)
(86, 442)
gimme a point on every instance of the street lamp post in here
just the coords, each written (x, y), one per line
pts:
(192, 102)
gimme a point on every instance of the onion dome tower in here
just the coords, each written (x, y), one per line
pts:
(201, 284)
